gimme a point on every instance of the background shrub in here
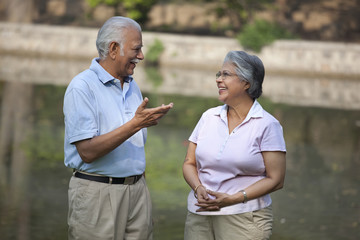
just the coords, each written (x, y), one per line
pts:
(260, 33)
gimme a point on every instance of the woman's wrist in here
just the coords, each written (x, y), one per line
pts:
(196, 188)
(245, 198)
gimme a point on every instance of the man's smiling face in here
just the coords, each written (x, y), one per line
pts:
(131, 53)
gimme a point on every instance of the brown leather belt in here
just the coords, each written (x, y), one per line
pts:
(111, 180)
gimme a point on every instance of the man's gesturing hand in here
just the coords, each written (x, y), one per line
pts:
(148, 117)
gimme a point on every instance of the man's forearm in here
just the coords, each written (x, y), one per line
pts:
(96, 147)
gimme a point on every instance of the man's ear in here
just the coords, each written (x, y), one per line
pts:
(113, 50)
(247, 85)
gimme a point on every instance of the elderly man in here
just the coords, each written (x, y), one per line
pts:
(105, 132)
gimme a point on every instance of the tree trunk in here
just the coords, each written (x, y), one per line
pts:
(16, 125)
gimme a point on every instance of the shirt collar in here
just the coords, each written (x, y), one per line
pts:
(256, 111)
(103, 75)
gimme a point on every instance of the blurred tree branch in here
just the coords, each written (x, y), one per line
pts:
(135, 9)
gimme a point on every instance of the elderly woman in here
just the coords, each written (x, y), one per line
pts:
(235, 158)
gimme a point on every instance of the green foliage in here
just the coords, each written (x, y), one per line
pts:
(240, 12)
(45, 147)
(152, 61)
(153, 75)
(270, 107)
(94, 3)
(135, 9)
(165, 152)
(261, 33)
(154, 52)
(185, 114)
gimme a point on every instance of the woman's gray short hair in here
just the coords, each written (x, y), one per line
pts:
(248, 68)
(113, 31)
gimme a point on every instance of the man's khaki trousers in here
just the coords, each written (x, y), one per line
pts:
(109, 211)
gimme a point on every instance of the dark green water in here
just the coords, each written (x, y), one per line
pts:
(320, 199)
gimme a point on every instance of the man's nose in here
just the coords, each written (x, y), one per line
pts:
(140, 55)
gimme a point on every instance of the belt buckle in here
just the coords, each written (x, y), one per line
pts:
(129, 180)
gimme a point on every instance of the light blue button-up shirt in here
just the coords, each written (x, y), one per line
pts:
(95, 104)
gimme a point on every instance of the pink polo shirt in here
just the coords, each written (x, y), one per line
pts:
(231, 162)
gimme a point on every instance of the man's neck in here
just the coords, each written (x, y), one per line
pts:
(106, 64)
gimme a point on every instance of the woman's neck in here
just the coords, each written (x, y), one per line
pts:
(240, 110)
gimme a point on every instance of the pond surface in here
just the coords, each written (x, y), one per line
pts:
(320, 199)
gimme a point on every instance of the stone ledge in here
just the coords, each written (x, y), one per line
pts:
(308, 57)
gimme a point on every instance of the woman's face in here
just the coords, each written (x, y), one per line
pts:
(231, 87)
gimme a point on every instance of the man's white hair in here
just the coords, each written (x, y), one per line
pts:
(113, 30)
